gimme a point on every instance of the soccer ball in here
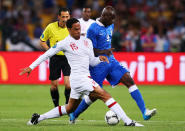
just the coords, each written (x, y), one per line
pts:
(111, 118)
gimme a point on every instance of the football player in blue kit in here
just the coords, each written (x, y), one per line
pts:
(100, 33)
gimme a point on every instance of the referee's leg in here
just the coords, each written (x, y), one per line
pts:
(55, 74)
(67, 88)
(66, 70)
(54, 92)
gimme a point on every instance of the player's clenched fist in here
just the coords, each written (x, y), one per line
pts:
(25, 70)
(104, 58)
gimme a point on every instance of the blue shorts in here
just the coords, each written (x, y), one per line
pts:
(112, 71)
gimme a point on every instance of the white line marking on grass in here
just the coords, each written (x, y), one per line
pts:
(94, 120)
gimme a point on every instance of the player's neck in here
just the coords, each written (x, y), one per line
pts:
(85, 19)
(61, 25)
(74, 37)
(102, 22)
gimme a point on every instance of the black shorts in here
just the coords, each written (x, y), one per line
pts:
(56, 64)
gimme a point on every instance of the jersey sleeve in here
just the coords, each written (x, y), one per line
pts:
(91, 34)
(93, 61)
(45, 34)
(49, 53)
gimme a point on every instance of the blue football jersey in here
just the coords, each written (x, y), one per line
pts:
(100, 35)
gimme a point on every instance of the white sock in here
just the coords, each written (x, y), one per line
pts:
(132, 88)
(87, 100)
(54, 113)
(115, 107)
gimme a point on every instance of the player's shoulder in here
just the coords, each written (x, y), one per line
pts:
(80, 20)
(93, 26)
(85, 38)
(112, 26)
(52, 24)
(65, 40)
(92, 21)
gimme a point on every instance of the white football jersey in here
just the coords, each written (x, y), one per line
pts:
(79, 54)
(85, 25)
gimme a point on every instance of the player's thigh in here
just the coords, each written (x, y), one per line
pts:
(99, 72)
(55, 67)
(116, 73)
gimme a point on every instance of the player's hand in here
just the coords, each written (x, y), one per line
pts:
(26, 70)
(104, 58)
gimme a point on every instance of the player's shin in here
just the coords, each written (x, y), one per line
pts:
(115, 107)
(85, 103)
(55, 96)
(67, 94)
(136, 95)
(54, 113)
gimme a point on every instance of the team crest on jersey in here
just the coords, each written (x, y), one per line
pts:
(73, 46)
(86, 43)
(54, 46)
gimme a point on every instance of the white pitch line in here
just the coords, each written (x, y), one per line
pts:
(94, 121)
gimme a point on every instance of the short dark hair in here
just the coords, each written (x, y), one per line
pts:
(86, 7)
(71, 21)
(63, 9)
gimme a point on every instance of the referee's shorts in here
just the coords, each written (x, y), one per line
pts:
(56, 64)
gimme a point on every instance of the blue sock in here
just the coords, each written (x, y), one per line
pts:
(136, 95)
(81, 108)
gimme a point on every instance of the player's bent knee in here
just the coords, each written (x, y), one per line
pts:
(105, 96)
(67, 86)
(127, 80)
(54, 84)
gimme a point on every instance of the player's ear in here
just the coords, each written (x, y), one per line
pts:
(69, 29)
(58, 17)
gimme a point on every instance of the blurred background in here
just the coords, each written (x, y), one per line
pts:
(160, 23)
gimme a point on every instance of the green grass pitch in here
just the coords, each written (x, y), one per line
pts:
(18, 102)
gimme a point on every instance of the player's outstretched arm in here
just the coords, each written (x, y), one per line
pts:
(25, 70)
(107, 52)
(104, 58)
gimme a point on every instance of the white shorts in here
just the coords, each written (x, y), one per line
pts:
(84, 87)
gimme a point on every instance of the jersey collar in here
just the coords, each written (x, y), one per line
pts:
(98, 22)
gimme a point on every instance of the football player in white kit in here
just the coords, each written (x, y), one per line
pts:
(85, 21)
(80, 55)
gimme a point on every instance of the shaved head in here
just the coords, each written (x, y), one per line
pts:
(108, 8)
(108, 16)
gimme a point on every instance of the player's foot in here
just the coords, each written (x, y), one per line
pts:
(72, 118)
(134, 123)
(149, 113)
(34, 119)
